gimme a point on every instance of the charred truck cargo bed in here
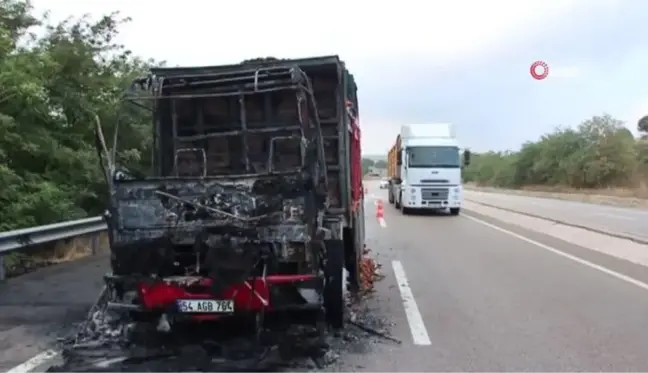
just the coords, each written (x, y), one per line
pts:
(254, 202)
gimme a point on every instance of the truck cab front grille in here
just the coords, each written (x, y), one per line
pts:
(434, 194)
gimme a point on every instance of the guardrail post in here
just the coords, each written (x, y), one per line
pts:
(3, 275)
(94, 243)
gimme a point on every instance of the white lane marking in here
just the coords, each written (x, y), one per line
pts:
(382, 222)
(584, 262)
(34, 362)
(414, 318)
(108, 362)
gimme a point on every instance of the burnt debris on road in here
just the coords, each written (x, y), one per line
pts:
(113, 341)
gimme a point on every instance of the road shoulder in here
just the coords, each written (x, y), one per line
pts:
(42, 306)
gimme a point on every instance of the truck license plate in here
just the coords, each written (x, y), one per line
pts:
(205, 306)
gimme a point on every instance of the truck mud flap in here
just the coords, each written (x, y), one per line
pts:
(334, 285)
(352, 258)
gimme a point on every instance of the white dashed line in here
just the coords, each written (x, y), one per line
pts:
(34, 362)
(414, 318)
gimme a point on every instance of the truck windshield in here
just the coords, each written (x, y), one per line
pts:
(433, 156)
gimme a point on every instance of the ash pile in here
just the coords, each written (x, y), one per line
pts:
(108, 341)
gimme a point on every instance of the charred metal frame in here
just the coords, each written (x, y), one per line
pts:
(239, 83)
(167, 209)
(256, 228)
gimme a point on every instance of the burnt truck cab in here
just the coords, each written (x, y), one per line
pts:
(254, 202)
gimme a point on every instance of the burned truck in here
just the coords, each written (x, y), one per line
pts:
(255, 201)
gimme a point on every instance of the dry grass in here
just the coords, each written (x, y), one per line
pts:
(28, 260)
(626, 197)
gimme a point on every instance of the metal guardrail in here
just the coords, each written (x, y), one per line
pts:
(21, 238)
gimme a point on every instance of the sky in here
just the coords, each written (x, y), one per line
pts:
(463, 62)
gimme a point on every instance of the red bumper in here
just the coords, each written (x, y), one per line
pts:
(250, 296)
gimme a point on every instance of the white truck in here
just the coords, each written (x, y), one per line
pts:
(424, 168)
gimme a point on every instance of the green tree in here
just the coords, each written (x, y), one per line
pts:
(367, 164)
(642, 126)
(381, 164)
(52, 87)
(599, 153)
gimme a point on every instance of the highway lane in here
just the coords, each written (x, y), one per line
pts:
(491, 301)
(485, 300)
(622, 220)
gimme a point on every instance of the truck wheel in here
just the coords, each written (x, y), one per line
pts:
(334, 284)
(405, 210)
(454, 211)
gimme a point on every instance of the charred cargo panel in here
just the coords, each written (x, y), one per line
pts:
(221, 136)
(223, 177)
(178, 223)
(184, 205)
(207, 131)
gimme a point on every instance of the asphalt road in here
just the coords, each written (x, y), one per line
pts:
(38, 308)
(630, 221)
(462, 293)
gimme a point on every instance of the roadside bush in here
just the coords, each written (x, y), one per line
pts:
(599, 153)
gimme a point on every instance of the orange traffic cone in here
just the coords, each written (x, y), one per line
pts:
(380, 213)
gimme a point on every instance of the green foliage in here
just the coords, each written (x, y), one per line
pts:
(51, 88)
(599, 153)
(642, 125)
(367, 164)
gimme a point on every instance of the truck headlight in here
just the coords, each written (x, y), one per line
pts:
(456, 190)
(413, 190)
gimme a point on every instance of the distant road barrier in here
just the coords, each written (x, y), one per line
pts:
(19, 239)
